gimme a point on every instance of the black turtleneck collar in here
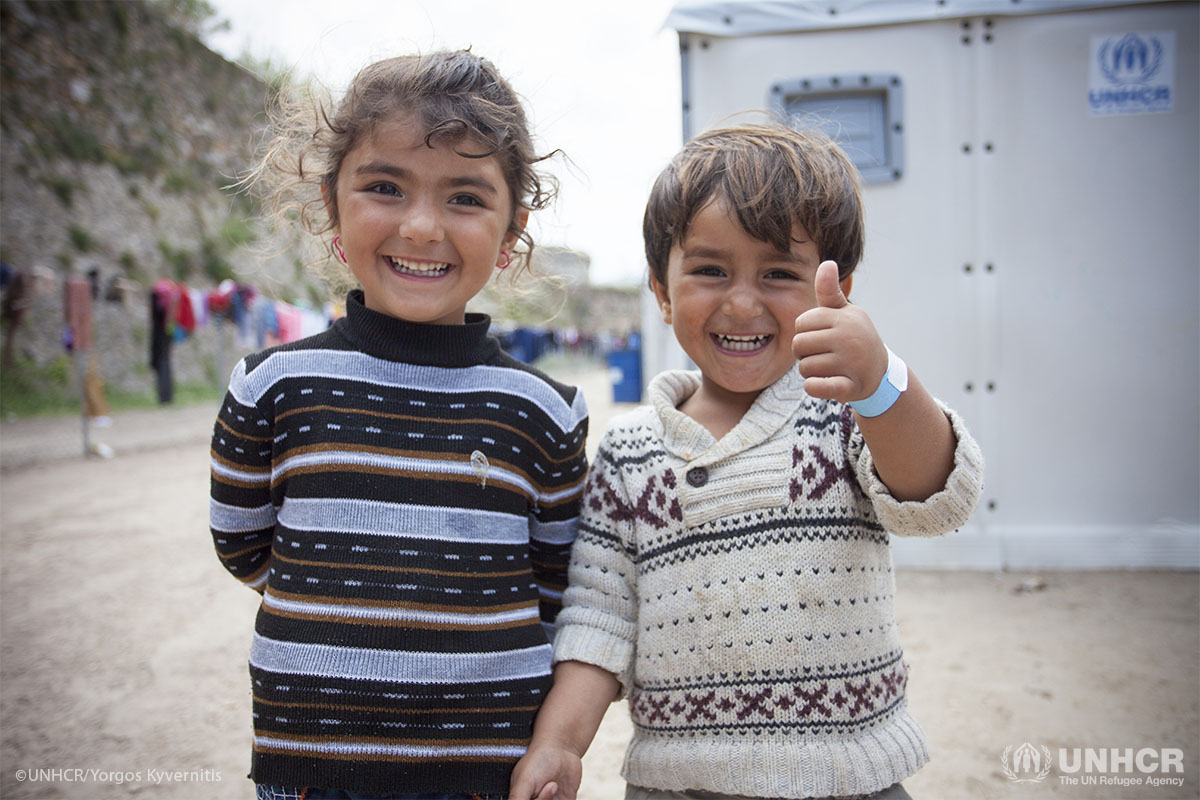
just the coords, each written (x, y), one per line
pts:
(416, 342)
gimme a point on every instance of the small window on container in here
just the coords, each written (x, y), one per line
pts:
(863, 113)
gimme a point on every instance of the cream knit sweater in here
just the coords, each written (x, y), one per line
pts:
(742, 592)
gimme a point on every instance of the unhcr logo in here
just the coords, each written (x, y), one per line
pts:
(1026, 763)
(1096, 766)
(1132, 73)
(1131, 59)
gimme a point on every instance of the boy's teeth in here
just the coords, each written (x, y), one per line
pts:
(741, 342)
(415, 268)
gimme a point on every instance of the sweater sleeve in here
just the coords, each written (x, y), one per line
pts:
(555, 520)
(942, 512)
(598, 624)
(241, 514)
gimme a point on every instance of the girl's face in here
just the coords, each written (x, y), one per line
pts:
(422, 227)
(732, 302)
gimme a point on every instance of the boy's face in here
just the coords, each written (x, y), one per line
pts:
(732, 301)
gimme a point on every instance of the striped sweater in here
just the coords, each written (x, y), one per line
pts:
(405, 497)
(742, 592)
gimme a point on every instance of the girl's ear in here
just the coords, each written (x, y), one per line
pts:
(520, 220)
(663, 298)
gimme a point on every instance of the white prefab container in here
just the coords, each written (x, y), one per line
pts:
(1033, 241)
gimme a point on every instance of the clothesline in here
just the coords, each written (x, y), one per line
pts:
(261, 321)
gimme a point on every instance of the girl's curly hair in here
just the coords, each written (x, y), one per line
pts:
(457, 96)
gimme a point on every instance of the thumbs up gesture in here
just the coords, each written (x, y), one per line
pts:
(840, 354)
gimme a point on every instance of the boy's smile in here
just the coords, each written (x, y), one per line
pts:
(732, 301)
(422, 227)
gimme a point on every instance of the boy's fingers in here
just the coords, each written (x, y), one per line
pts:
(820, 365)
(828, 388)
(814, 341)
(817, 318)
(548, 792)
(829, 291)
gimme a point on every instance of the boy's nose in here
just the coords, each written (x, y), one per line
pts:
(742, 302)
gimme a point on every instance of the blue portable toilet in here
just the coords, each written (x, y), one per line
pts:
(625, 371)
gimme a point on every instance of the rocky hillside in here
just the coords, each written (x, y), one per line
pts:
(122, 134)
(121, 137)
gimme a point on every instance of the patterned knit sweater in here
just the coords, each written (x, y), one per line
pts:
(742, 592)
(405, 496)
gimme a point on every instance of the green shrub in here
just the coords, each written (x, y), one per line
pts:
(63, 189)
(27, 389)
(80, 239)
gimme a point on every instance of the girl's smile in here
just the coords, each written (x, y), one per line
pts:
(417, 269)
(422, 226)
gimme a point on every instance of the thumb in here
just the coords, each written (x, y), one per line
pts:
(829, 291)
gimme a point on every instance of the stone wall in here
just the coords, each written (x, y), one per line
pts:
(121, 137)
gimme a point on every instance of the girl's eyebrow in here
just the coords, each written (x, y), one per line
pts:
(373, 167)
(382, 167)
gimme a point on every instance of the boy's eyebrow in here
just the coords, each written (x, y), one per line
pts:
(382, 167)
(703, 252)
(716, 253)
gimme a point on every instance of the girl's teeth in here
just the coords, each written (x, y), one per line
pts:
(416, 268)
(743, 343)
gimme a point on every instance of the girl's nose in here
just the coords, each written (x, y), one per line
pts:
(420, 224)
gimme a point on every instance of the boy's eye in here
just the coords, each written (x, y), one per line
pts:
(715, 272)
(782, 274)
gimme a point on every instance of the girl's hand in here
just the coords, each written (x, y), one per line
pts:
(840, 354)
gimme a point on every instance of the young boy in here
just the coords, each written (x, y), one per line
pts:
(732, 574)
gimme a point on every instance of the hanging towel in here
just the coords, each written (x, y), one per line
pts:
(77, 312)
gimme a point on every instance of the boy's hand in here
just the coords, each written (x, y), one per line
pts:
(546, 773)
(840, 354)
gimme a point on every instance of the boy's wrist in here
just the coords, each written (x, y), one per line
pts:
(891, 386)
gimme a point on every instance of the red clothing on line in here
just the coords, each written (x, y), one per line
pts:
(77, 311)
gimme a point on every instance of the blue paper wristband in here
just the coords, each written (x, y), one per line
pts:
(893, 384)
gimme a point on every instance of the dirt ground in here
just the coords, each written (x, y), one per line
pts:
(123, 643)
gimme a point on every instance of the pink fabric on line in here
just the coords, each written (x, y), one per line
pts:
(77, 310)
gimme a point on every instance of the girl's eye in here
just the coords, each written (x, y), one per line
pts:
(465, 200)
(384, 188)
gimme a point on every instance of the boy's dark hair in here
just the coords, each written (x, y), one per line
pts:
(772, 176)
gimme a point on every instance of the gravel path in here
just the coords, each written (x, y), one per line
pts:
(123, 643)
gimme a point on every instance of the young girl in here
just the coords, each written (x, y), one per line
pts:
(403, 493)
